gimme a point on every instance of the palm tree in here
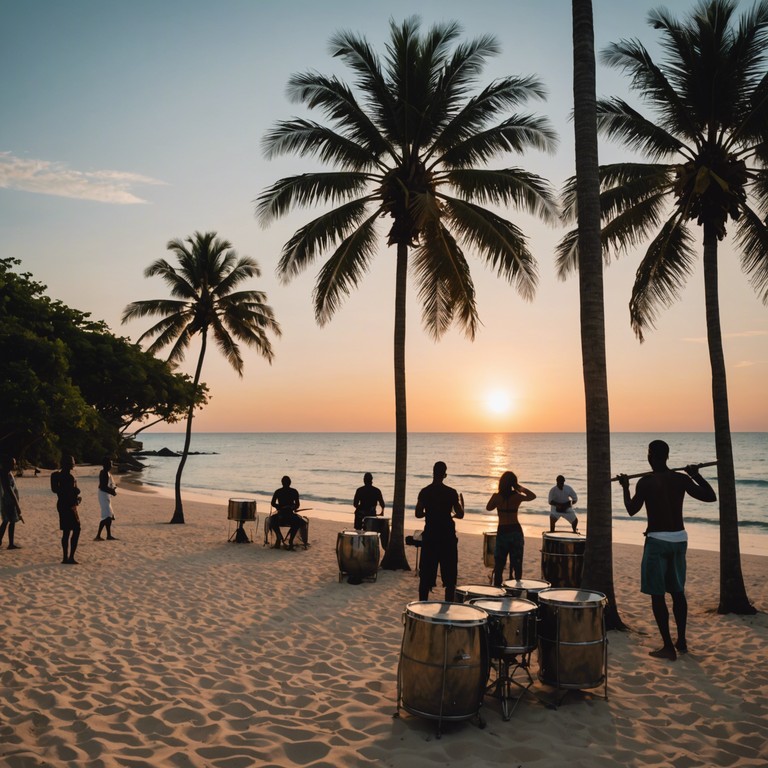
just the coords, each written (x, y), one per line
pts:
(598, 558)
(406, 144)
(208, 271)
(708, 151)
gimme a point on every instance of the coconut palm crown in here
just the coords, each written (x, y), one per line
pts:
(407, 143)
(707, 145)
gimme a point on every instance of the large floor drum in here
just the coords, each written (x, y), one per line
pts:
(380, 525)
(572, 640)
(467, 592)
(358, 554)
(444, 660)
(489, 549)
(511, 624)
(241, 510)
(562, 558)
(528, 589)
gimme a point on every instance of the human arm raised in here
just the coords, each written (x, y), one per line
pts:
(698, 487)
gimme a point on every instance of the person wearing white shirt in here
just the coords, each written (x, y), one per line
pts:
(561, 499)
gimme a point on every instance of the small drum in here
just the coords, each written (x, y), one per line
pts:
(572, 642)
(525, 588)
(489, 548)
(472, 591)
(443, 661)
(562, 557)
(511, 624)
(358, 554)
(380, 525)
(241, 510)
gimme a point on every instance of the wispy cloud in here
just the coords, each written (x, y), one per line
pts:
(53, 178)
(738, 335)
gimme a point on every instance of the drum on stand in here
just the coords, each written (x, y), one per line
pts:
(380, 525)
(489, 549)
(562, 557)
(573, 649)
(528, 589)
(241, 511)
(358, 554)
(469, 592)
(443, 661)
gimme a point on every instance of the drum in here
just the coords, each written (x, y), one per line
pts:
(489, 547)
(241, 510)
(380, 525)
(526, 588)
(562, 558)
(443, 661)
(358, 554)
(511, 624)
(572, 642)
(471, 591)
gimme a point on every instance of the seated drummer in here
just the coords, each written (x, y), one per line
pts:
(286, 501)
(367, 498)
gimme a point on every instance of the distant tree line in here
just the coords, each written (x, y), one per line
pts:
(69, 384)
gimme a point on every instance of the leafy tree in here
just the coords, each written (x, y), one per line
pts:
(203, 283)
(708, 149)
(407, 143)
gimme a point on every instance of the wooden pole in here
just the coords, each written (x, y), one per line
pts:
(676, 469)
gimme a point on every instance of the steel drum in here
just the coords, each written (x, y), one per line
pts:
(572, 641)
(358, 554)
(511, 624)
(469, 592)
(528, 589)
(241, 510)
(380, 525)
(489, 548)
(443, 661)
(562, 557)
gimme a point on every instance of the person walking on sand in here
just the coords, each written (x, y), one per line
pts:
(64, 485)
(367, 498)
(438, 504)
(509, 534)
(105, 493)
(561, 500)
(666, 542)
(10, 511)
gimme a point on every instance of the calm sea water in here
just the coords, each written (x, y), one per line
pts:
(326, 468)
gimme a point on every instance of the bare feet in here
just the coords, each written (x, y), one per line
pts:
(665, 652)
(682, 646)
(14, 546)
(97, 538)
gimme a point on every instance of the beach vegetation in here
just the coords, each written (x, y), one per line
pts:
(706, 146)
(205, 302)
(408, 143)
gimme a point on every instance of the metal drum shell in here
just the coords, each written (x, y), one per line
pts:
(489, 549)
(467, 592)
(525, 588)
(241, 510)
(571, 638)
(562, 558)
(358, 553)
(515, 620)
(380, 525)
(444, 660)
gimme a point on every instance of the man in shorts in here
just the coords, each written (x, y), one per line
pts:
(663, 567)
(561, 500)
(64, 485)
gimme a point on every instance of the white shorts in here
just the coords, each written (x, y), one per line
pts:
(569, 514)
(105, 504)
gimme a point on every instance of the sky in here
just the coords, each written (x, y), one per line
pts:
(128, 124)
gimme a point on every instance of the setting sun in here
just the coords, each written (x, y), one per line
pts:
(498, 402)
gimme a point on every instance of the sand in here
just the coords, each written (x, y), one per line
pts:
(173, 647)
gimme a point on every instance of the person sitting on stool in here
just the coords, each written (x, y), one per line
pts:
(367, 498)
(286, 501)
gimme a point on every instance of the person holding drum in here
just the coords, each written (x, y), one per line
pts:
(438, 504)
(663, 566)
(367, 498)
(561, 500)
(509, 535)
(286, 501)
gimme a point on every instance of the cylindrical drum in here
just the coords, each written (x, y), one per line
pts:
(562, 557)
(489, 548)
(511, 624)
(468, 592)
(444, 660)
(380, 525)
(241, 510)
(526, 588)
(358, 553)
(572, 640)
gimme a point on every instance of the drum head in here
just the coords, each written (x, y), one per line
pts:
(446, 613)
(529, 585)
(504, 606)
(362, 534)
(562, 536)
(480, 590)
(571, 597)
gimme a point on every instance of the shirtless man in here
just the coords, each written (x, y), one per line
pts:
(663, 566)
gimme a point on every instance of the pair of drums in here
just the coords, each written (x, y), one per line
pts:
(357, 553)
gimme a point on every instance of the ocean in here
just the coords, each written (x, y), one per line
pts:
(326, 468)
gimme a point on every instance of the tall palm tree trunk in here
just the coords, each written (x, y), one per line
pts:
(733, 595)
(598, 557)
(178, 512)
(395, 558)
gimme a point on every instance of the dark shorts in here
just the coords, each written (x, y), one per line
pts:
(443, 553)
(663, 566)
(69, 520)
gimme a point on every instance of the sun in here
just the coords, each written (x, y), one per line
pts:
(498, 402)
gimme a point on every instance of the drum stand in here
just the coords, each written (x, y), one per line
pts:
(507, 666)
(240, 536)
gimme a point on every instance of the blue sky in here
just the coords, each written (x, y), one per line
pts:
(126, 124)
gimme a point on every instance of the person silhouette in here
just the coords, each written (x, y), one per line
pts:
(64, 485)
(10, 511)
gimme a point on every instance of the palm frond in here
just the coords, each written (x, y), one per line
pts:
(149, 307)
(242, 269)
(227, 346)
(752, 237)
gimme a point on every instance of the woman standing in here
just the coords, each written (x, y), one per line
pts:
(10, 511)
(106, 492)
(509, 534)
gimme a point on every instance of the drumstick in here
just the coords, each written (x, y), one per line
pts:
(676, 469)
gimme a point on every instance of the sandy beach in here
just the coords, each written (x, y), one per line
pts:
(174, 647)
